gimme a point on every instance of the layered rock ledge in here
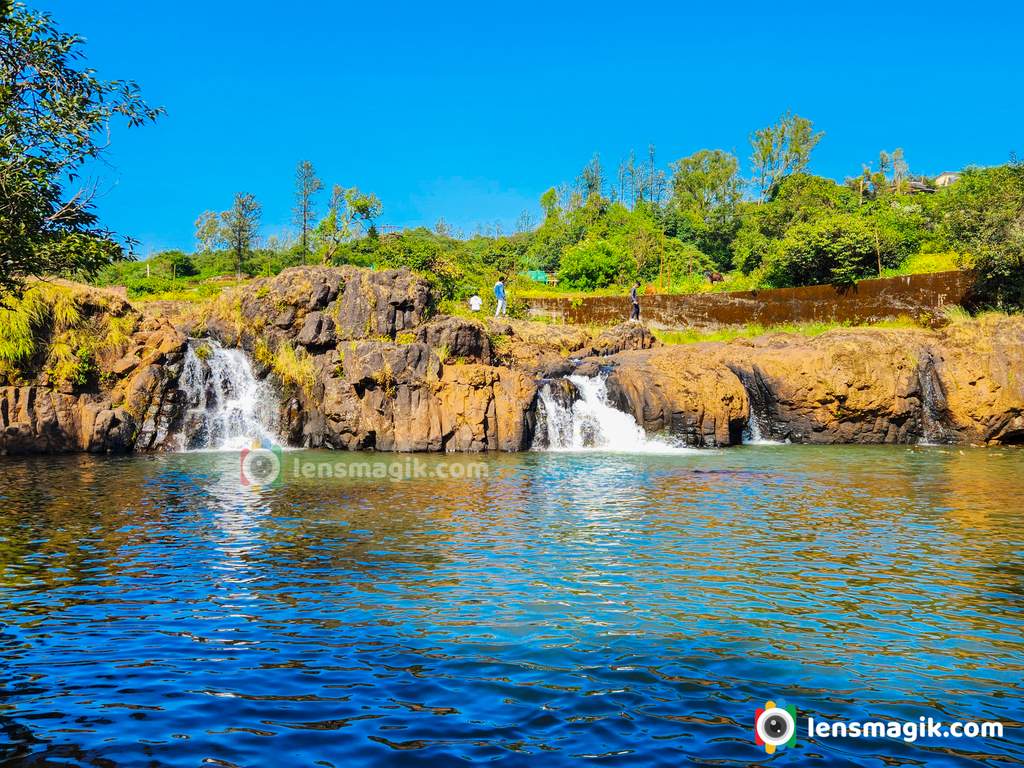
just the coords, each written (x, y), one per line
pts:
(361, 360)
(961, 384)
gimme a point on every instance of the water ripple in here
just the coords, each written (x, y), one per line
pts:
(597, 608)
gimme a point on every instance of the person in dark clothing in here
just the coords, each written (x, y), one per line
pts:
(635, 296)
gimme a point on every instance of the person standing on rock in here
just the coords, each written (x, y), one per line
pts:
(499, 294)
(635, 296)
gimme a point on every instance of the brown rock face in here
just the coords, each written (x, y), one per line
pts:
(320, 306)
(681, 395)
(132, 402)
(548, 351)
(362, 363)
(485, 408)
(462, 339)
(959, 384)
(978, 378)
(386, 375)
(394, 397)
(37, 419)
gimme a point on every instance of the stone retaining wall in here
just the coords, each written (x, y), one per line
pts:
(867, 301)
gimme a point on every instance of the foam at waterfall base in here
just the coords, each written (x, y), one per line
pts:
(754, 436)
(759, 421)
(592, 423)
(227, 407)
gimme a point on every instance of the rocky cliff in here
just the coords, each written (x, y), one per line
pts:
(365, 363)
(86, 371)
(362, 361)
(959, 384)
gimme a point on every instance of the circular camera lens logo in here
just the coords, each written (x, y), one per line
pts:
(775, 726)
(260, 466)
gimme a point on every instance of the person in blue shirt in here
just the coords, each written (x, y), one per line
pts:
(635, 296)
(499, 294)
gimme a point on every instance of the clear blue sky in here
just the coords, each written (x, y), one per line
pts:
(471, 110)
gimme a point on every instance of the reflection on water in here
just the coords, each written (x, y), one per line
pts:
(634, 610)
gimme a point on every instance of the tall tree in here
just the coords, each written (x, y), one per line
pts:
(525, 222)
(54, 117)
(592, 178)
(240, 225)
(705, 181)
(900, 170)
(549, 204)
(307, 185)
(780, 150)
(347, 214)
(654, 181)
(209, 234)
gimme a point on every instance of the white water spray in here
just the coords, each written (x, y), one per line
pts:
(591, 422)
(227, 407)
(754, 435)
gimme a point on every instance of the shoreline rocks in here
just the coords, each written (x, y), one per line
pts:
(960, 384)
(363, 362)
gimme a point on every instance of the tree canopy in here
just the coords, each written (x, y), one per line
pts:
(54, 113)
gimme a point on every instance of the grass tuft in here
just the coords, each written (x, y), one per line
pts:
(294, 367)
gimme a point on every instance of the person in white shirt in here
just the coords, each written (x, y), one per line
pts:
(475, 302)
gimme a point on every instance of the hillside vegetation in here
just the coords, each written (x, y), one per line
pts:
(669, 230)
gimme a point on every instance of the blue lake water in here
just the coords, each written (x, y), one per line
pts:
(567, 609)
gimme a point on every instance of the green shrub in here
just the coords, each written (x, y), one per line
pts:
(983, 215)
(837, 249)
(592, 264)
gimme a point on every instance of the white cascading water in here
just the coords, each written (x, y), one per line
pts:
(754, 428)
(227, 407)
(754, 435)
(591, 422)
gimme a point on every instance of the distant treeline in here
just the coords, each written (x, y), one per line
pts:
(669, 227)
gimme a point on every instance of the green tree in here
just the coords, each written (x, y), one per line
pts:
(240, 225)
(307, 185)
(592, 264)
(348, 214)
(751, 247)
(209, 233)
(795, 199)
(781, 149)
(706, 181)
(706, 190)
(54, 117)
(179, 264)
(983, 215)
(836, 249)
(549, 203)
(591, 181)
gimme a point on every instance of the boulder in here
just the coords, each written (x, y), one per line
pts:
(679, 394)
(622, 337)
(462, 339)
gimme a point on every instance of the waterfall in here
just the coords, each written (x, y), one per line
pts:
(754, 428)
(933, 405)
(575, 414)
(226, 407)
(759, 423)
